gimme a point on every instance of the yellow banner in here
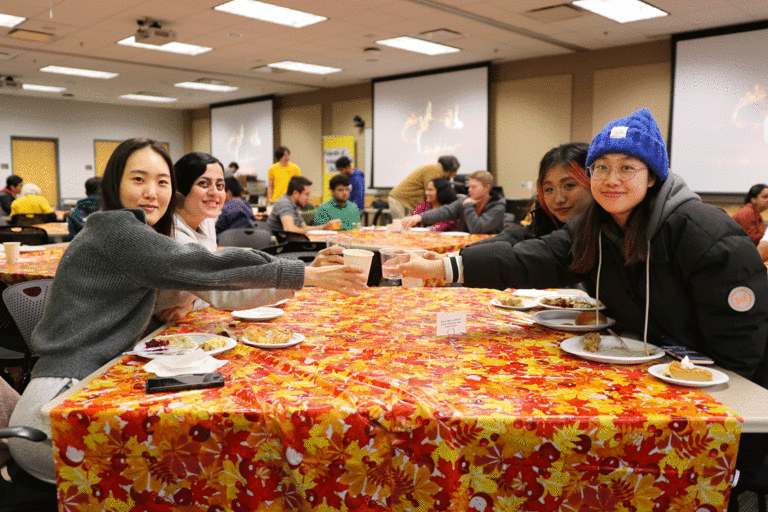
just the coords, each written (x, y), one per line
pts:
(333, 149)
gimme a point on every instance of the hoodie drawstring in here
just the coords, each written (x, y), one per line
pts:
(647, 296)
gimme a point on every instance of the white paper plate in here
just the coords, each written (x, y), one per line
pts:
(611, 351)
(321, 232)
(543, 300)
(565, 320)
(527, 304)
(278, 303)
(454, 233)
(262, 313)
(421, 229)
(198, 338)
(296, 338)
(718, 377)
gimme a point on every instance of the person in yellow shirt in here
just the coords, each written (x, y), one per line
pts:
(280, 174)
(31, 200)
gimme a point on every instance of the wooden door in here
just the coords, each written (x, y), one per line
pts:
(102, 150)
(37, 161)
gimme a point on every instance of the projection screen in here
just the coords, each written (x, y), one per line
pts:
(242, 133)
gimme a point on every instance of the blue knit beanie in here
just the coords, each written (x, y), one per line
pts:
(636, 135)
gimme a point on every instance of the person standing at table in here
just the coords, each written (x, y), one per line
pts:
(286, 212)
(31, 201)
(13, 184)
(481, 212)
(201, 193)
(107, 281)
(439, 192)
(749, 216)
(338, 206)
(280, 174)
(563, 193)
(405, 197)
(237, 212)
(356, 181)
(84, 207)
(232, 169)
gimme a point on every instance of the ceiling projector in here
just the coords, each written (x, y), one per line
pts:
(9, 82)
(155, 36)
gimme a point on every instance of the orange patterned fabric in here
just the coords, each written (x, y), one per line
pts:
(416, 240)
(374, 412)
(32, 265)
(54, 228)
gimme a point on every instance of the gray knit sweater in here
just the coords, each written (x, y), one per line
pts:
(106, 283)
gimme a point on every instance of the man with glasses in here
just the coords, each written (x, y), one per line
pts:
(339, 206)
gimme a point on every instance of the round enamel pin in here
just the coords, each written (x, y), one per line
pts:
(741, 299)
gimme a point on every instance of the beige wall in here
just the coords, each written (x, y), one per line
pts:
(535, 104)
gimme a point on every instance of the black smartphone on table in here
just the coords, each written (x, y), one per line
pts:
(679, 352)
(185, 382)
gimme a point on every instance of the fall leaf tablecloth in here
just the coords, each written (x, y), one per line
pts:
(373, 411)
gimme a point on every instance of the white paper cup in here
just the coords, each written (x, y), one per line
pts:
(359, 258)
(12, 250)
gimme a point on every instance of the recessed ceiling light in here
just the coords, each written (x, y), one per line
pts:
(303, 67)
(90, 73)
(418, 45)
(173, 47)
(622, 11)
(271, 13)
(203, 86)
(148, 97)
(6, 20)
(43, 88)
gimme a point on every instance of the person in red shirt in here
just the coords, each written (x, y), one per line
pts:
(749, 216)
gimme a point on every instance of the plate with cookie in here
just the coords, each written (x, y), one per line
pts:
(607, 349)
(181, 344)
(271, 337)
(572, 320)
(512, 302)
(677, 372)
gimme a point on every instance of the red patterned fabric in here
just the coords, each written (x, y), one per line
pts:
(32, 265)
(412, 240)
(374, 412)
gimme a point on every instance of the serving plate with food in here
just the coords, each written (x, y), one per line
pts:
(569, 302)
(571, 320)
(608, 349)
(271, 337)
(684, 373)
(516, 303)
(180, 344)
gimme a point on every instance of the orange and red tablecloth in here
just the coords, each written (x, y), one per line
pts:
(38, 264)
(374, 412)
(418, 240)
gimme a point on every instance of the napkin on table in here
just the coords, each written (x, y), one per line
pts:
(196, 361)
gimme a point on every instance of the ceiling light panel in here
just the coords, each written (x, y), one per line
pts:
(623, 11)
(149, 97)
(271, 13)
(42, 88)
(302, 67)
(89, 73)
(202, 86)
(418, 45)
(6, 20)
(173, 47)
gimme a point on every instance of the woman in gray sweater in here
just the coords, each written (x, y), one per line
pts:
(107, 281)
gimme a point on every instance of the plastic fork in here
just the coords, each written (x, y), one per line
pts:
(620, 340)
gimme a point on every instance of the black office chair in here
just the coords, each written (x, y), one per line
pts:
(30, 219)
(245, 237)
(14, 351)
(380, 206)
(305, 251)
(27, 235)
(284, 236)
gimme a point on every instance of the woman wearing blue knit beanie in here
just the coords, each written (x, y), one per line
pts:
(670, 268)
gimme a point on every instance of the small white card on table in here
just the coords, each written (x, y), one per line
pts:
(451, 323)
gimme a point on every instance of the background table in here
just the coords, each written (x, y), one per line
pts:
(57, 231)
(40, 264)
(376, 239)
(373, 412)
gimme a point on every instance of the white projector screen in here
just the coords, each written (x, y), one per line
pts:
(418, 119)
(719, 137)
(242, 133)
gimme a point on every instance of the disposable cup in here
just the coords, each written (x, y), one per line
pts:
(390, 258)
(12, 252)
(359, 258)
(345, 242)
(413, 282)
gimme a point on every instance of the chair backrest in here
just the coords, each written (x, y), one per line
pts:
(283, 236)
(30, 219)
(296, 249)
(27, 235)
(245, 237)
(26, 302)
(10, 336)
